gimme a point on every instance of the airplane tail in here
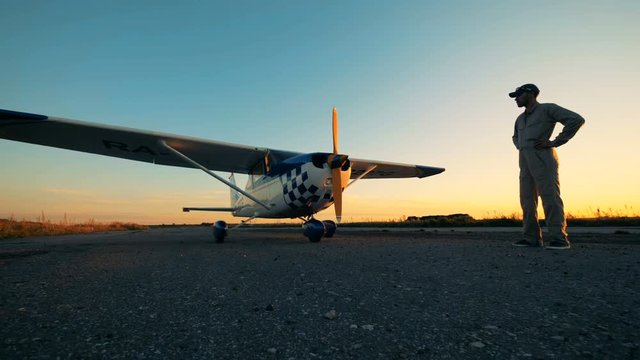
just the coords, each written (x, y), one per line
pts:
(235, 196)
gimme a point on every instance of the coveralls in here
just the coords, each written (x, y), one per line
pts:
(539, 168)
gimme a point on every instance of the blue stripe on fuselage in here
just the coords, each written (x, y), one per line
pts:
(294, 163)
(284, 167)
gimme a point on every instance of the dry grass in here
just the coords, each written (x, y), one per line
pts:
(11, 228)
(591, 218)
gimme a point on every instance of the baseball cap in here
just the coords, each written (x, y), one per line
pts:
(523, 89)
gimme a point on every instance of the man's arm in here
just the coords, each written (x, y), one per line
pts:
(570, 120)
(514, 138)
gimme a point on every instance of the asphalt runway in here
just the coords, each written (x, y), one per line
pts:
(271, 294)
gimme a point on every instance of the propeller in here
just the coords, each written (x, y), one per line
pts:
(339, 178)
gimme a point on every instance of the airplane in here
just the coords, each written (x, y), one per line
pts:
(281, 184)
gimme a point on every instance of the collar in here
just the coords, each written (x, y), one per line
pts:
(533, 108)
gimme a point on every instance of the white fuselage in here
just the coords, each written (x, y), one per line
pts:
(296, 191)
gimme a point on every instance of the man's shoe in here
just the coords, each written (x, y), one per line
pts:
(558, 245)
(525, 243)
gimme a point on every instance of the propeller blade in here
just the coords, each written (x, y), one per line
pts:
(335, 131)
(337, 193)
(340, 177)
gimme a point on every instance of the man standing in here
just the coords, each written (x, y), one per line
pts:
(539, 165)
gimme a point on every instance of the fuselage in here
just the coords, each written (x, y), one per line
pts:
(297, 187)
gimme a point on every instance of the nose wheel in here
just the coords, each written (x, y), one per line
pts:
(316, 229)
(330, 228)
(313, 229)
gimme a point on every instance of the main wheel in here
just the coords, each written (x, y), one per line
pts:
(219, 231)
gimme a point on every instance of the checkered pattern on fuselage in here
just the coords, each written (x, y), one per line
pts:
(298, 190)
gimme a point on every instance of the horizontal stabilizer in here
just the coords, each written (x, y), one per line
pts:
(187, 209)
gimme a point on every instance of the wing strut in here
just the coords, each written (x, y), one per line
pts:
(370, 169)
(190, 161)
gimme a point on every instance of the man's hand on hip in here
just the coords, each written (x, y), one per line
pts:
(543, 144)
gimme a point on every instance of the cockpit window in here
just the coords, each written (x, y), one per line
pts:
(257, 169)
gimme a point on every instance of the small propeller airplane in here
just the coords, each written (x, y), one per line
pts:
(281, 184)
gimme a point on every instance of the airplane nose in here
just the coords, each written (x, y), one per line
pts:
(338, 161)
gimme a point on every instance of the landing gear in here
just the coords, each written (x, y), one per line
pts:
(219, 231)
(316, 229)
(329, 228)
(313, 229)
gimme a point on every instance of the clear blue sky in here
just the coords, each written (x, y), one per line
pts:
(421, 82)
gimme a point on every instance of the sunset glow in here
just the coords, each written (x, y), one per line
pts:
(414, 82)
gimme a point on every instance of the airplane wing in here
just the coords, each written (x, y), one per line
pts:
(388, 170)
(132, 144)
(142, 145)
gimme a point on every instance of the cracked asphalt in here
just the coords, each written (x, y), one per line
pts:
(270, 294)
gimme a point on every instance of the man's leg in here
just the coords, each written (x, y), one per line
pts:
(551, 200)
(529, 203)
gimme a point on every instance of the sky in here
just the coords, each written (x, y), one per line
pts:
(419, 82)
